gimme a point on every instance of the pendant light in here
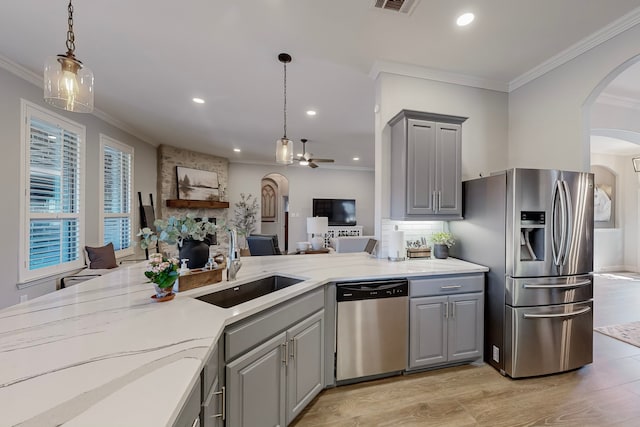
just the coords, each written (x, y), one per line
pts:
(284, 146)
(68, 84)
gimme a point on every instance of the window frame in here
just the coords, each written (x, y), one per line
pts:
(107, 141)
(27, 111)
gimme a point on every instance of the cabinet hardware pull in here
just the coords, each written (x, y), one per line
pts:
(196, 422)
(439, 200)
(285, 352)
(294, 348)
(453, 310)
(561, 286)
(557, 315)
(446, 310)
(433, 201)
(224, 403)
(451, 287)
(222, 394)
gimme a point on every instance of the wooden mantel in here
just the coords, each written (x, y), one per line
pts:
(195, 204)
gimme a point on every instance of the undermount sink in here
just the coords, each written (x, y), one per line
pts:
(248, 291)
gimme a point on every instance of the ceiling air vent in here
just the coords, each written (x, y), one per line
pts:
(403, 6)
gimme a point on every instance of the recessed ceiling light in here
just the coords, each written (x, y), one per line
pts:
(198, 100)
(52, 137)
(465, 19)
(311, 113)
(356, 158)
(237, 150)
(299, 155)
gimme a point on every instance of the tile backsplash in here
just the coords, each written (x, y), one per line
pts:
(413, 230)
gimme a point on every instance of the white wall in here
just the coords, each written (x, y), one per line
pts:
(617, 249)
(305, 184)
(547, 128)
(14, 88)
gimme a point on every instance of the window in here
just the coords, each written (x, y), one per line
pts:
(52, 194)
(116, 195)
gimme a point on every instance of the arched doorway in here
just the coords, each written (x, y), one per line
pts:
(274, 194)
(612, 132)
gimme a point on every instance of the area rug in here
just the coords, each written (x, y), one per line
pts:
(627, 332)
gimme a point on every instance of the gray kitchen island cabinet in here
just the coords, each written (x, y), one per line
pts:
(426, 177)
(270, 384)
(447, 327)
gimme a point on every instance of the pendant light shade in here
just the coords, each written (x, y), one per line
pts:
(68, 84)
(284, 146)
(284, 151)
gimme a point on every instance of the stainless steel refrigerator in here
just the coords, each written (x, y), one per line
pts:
(534, 230)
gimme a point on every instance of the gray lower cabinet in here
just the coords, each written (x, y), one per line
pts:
(445, 329)
(190, 414)
(305, 369)
(256, 385)
(426, 175)
(272, 383)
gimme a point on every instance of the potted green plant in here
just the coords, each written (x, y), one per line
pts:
(191, 234)
(441, 242)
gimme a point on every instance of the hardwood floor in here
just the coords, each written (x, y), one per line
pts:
(605, 393)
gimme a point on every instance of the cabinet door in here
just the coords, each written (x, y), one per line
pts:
(465, 326)
(448, 173)
(305, 370)
(421, 166)
(428, 331)
(212, 406)
(256, 386)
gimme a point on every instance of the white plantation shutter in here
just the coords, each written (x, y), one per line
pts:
(53, 163)
(117, 194)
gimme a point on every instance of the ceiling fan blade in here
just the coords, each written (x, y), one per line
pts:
(322, 160)
(312, 165)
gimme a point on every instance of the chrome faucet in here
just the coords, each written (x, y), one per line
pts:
(233, 260)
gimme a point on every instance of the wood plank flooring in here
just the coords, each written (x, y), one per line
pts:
(605, 393)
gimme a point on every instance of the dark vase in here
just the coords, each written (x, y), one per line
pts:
(196, 251)
(440, 251)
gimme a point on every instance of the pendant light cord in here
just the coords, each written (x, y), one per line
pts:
(71, 38)
(285, 100)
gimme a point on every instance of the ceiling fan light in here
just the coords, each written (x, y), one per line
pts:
(284, 151)
(304, 163)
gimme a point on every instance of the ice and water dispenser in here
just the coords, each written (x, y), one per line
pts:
(532, 225)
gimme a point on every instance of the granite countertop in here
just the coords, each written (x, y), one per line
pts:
(104, 353)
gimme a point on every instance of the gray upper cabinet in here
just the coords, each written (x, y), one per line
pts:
(426, 166)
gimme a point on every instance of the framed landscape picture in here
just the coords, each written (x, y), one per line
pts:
(195, 184)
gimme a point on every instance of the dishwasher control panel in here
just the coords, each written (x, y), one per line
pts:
(356, 291)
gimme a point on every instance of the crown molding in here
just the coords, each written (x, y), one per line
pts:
(618, 101)
(618, 26)
(625, 135)
(416, 71)
(36, 79)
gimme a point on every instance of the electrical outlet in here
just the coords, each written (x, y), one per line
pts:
(496, 354)
(24, 298)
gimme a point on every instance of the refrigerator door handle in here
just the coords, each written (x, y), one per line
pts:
(563, 286)
(569, 219)
(558, 315)
(554, 213)
(563, 223)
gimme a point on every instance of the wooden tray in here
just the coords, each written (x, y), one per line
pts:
(418, 253)
(196, 278)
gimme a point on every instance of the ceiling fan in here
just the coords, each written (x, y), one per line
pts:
(307, 159)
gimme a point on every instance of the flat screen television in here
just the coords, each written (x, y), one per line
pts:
(339, 211)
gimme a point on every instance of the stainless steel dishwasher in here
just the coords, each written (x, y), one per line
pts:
(371, 328)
